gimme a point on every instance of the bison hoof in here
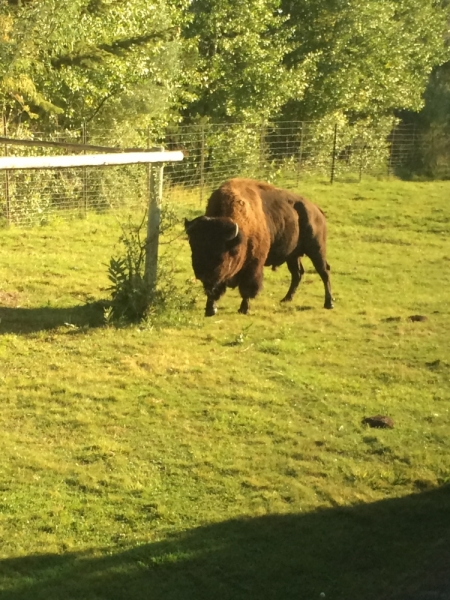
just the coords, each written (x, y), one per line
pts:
(243, 309)
(210, 311)
(286, 299)
(329, 304)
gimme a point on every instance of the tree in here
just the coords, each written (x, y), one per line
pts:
(371, 57)
(98, 60)
(431, 155)
(346, 60)
(240, 73)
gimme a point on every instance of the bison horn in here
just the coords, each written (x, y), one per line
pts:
(235, 232)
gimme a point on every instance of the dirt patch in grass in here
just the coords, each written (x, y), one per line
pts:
(9, 298)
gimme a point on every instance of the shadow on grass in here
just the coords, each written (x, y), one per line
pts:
(31, 320)
(303, 308)
(392, 549)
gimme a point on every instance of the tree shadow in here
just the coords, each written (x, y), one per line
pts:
(388, 550)
(31, 320)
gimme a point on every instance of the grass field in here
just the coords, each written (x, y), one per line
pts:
(225, 457)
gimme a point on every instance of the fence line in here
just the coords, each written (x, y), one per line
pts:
(90, 160)
(86, 160)
(280, 152)
(6, 176)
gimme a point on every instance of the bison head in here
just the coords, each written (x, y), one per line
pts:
(214, 244)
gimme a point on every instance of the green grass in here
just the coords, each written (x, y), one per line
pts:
(225, 457)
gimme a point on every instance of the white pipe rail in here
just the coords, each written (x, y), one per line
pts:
(10, 163)
(88, 160)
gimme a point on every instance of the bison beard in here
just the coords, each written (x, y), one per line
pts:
(248, 225)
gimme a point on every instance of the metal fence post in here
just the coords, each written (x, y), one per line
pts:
(7, 195)
(391, 152)
(262, 149)
(360, 170)
(85, 176)
(333, 158)
(154, 218)
(300, 152)
(361, 160)
(202, 161)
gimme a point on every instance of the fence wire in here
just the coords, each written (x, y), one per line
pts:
(32, 197)
(280, 152)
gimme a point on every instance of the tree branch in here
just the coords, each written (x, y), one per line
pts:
(117, 47)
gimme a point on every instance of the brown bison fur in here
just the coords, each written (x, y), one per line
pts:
(248, 225)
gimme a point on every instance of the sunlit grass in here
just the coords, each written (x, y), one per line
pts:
(117, 437)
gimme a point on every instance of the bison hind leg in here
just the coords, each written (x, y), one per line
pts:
(323, 268)
(329, 303)
(329, 300)
(296, 269)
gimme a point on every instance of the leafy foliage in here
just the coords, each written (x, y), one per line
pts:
(132, 300)
(241, 47)
(129, 291)
(432, 156)
(370, 57)
(357, 60)
(145, 64)
(88, 59)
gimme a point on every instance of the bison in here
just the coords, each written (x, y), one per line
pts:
(248, 225)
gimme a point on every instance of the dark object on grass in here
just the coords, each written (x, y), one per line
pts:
(433, 364)
(379, 421)
(248, 225)
(417, 318)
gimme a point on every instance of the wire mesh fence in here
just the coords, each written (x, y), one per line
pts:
(285, 153)
(31, 197)
(280, 152)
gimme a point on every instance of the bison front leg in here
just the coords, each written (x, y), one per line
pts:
(245, 305)
(211, 308)
(296, 269)
(250, 285)
(212, 297)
